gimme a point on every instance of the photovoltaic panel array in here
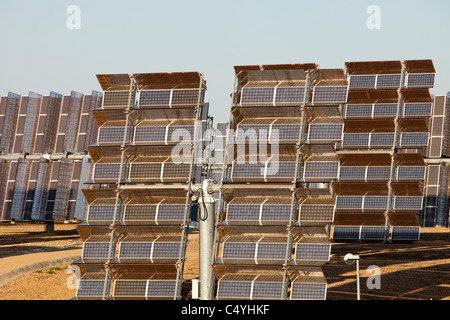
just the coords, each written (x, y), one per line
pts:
(388, 110)
(284, 123)
(139, 205)
(38, 137)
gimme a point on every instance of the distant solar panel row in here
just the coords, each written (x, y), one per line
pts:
(342, 232)
(169, 98)
(370, 111)
(381, 81)
(359, 203)
(368, 140)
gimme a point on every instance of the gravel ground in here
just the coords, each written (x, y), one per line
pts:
(409, 271)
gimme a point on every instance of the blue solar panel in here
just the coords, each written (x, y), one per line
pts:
(308, 291)
(405, 233)
(388, 81)
(362, 81)
(346, 232)
(327, 95)
(372, 232)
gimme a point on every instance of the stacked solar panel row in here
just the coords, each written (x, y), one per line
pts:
(388, 109)
(284, 122)
(149, 127)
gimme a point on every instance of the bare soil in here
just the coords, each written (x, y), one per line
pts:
(409, 271)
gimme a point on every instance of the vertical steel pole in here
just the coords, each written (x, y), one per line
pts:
(358, 288)
(206, 241)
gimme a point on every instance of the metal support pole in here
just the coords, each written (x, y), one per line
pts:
(50, 227)
(349, 258)
(206, 231)
(358, 287)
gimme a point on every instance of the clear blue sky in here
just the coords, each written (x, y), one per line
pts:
(39, 53)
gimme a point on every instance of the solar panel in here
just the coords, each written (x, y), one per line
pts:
(100, 214)
(154, 214)
(382, 140)
(135, 252)
(115, 99)
(91, 126)
(413, 139)
(73, 122)
(312, 253)
(154, 98)
(63, 189)
(85, 175)
(378, 173)
(110, 135)
(275, 214)
(161, 289)
(362, 81)
(410, 173)
(9, 122)
(329, 95)
(95, 252)
(20, 189)
(308, 288)
(356, 111)
(51, 122)
(320, 170)
(386, 110)
(257, 96)
(325, 132)
(259, 287)
(352, 173)
(289, 95)
(417, 110)
(90, 289)
(106, 172)
(129, 289)
(375, 203)
(420, 80)
(42, 190)
(388, 81)
(31, 122)
(355, 140)
(185, 97)
(346, 232)
(315, 214)
(404, 233)
(243, 213)
(349, 202)
(4, 169)
(408, 203)
(233, 289)
(373, 233)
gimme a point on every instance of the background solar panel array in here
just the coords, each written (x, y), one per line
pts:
(370, 85)
(36, 125)
(436, 197)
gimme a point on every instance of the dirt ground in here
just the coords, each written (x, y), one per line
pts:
(409, 271)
